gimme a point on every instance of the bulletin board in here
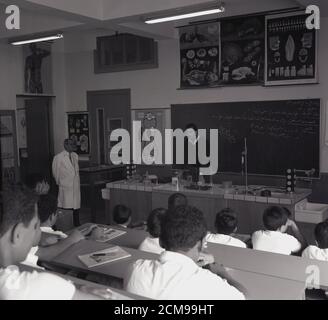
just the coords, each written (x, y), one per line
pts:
(79, 131)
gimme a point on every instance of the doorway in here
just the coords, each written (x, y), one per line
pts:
(35, 142)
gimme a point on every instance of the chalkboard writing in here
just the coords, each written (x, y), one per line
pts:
(280, 134)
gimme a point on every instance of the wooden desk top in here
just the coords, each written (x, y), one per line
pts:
(118, 294)
(131, 239)
(260, 286)
(69, 259)
(277, 265)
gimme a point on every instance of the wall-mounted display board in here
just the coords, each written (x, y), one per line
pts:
(200, 55)
(280, 134)
(252, 50)
(79, 131)
(158, 118)
(291, 50)
(243, 46)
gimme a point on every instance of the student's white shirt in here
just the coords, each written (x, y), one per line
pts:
(17, 285)
(275, 242)
(314, 252)
(174, 276)
(151, 245)
(32, 259)
(50, 230)
(225, 239)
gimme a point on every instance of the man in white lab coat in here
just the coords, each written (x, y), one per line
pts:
(65, 169)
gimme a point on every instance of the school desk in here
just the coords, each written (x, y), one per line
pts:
(131, 239)
(118, 294)
(266, 263)
(257, 284)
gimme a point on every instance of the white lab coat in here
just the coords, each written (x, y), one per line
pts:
(67, 178)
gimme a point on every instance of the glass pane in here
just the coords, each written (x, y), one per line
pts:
(101, 142)
(117, 50)
(7, 149)
(131, 49)
(146, 49)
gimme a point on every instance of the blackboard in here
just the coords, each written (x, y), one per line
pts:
(280, 134)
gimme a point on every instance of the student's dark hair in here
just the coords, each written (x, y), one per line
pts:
(288, 213)
(192, 126)
(274, 217)
(33, 179)
(18, 206)
(321, 234)
(226, 221)
(175, 199)
(182, 228)
(154, 221)
(121, 214)
(47, 205)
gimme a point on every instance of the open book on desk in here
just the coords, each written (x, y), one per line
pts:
(98, 258)
(107, 233)
(110, 233)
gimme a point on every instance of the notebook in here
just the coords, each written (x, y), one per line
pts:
(108, 255)
(110, 233)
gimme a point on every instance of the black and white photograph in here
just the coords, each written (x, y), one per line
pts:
(169, 153)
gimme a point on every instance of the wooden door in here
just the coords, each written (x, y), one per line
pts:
(39, 145)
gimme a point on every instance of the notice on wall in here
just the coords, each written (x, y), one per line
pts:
(243, 47)
(78, 130)
(291, 53)
(200, 55)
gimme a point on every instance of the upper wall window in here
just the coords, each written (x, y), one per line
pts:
(123, 52)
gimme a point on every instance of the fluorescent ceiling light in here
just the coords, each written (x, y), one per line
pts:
(42, 39)
(186, 15)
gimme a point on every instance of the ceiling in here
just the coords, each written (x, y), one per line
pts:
(38, 16)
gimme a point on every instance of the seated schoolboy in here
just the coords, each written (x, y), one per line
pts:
(51, 242)
(177, 199)
(19, 227)
(320, 251)
(38, 183)
(175, 274)
(122, 216)
(151, 243)
(274, 238)
(225, 224)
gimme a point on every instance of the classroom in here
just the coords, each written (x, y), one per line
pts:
(163, 150)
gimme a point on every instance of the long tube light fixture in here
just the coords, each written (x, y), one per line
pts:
(40, 39)
(198, 13)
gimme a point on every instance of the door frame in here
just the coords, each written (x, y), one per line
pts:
(93, 93)
(49, 101)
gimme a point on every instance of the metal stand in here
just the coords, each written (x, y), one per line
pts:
(245, 165)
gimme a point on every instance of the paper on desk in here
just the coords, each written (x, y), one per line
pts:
(98, 258)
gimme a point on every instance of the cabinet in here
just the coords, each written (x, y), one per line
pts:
(8, 146)
(123, 52)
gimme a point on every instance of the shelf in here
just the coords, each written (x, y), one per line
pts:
(35, 95)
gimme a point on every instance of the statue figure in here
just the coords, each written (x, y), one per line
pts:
(33, 63)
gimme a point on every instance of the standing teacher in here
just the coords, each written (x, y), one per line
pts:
(65, 169)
